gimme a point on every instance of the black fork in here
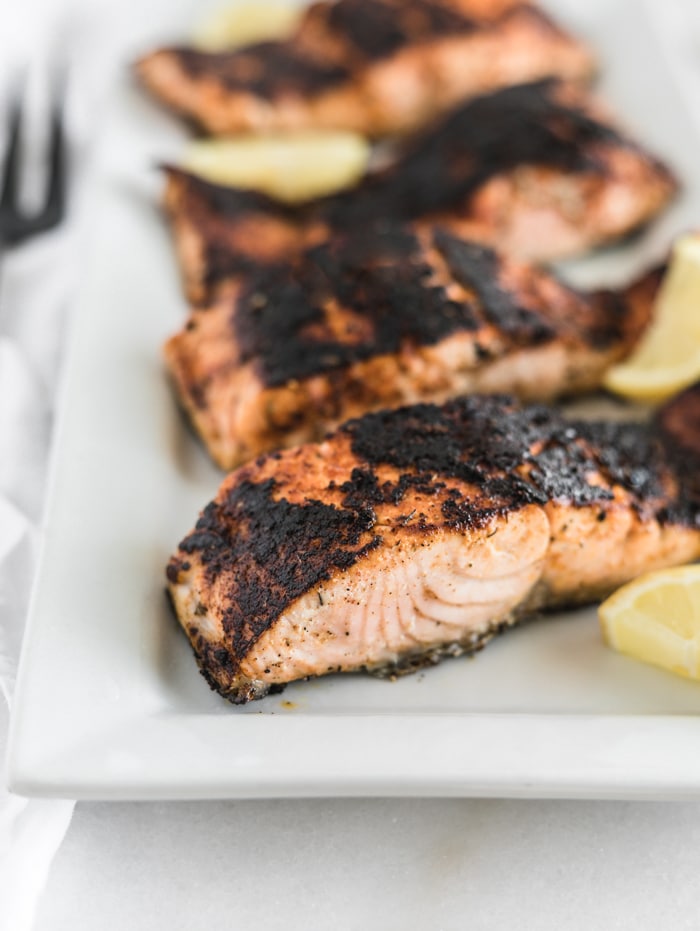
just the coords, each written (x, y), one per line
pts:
(15, 224)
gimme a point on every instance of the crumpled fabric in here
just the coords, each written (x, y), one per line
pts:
(30, 830)
(38, 280)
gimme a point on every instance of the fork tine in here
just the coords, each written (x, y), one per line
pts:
(55, 196)
(15, 225)
(11, 172)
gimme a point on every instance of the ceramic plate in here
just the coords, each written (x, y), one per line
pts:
(110, 703)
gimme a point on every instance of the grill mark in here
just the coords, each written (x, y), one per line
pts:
(459, 511)
(531, 454)
(381, 284)
(278, 551)
(230, 201)
(517, 126)
(608, 325)
(362, 32)
(271, 552)
(377, 30)
(486, 137)
(392, 284)
(678, 423)
(476, 267)
(267, 69)
(363, 488)
(220, 262)
(444, 168)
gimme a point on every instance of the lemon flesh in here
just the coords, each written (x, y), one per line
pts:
(292, 167)
(656, 619)
(245, 23)
(668, 357)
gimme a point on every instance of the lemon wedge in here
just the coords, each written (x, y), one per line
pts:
(292, 167)
(244, 23)
(656, 619)
(668, 357)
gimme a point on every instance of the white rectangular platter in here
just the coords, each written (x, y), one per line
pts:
(110, 704)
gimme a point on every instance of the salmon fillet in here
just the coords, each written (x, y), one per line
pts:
(414, 534)
(393, 316)
(375, 66)
(534, 170)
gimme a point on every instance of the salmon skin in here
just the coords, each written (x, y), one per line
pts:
(534, 170)
(393, 316)
(375, 66)
(419, 533)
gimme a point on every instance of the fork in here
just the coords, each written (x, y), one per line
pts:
(15, 224)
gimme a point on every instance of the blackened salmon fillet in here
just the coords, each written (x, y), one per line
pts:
(385, 318)
(413, 534)
(375, 66)
(534, 170)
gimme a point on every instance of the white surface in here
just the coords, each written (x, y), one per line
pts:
(545, 711)
(394, 865)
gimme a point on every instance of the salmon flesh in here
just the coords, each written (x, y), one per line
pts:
(534, 170)
(383, 319)
(374, 66)
(419, 533)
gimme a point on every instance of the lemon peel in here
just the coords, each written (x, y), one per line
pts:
(667, 358)
(656, 619)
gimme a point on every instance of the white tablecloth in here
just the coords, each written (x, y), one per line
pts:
(439, 864)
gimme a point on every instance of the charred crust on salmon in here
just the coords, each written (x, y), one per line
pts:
(266, 68)
(531, 453)
(488, 171)
(377, 30)
(257, 539)
(225, 200)
(375, 66)
(678, 422)
(476, 267)
(522, 125)
(412, 663)
(296, 542)
(371, 29)
(376, 319)
(381, 279)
